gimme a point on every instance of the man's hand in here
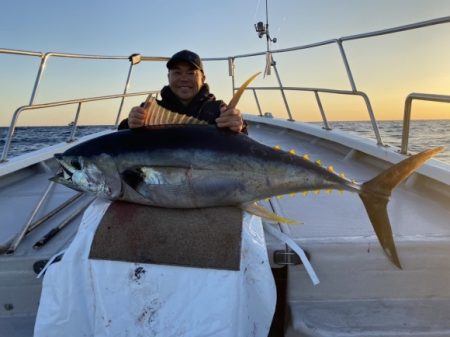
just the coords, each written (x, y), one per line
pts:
(230, 118)
(136, 117)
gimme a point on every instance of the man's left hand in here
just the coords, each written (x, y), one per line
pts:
(230, 118)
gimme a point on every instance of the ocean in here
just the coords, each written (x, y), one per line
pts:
(423, 135)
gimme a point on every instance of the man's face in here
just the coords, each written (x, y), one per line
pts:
(185, 81)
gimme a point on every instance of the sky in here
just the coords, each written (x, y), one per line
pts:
(386, 68)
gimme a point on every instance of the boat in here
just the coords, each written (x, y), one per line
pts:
(360, 292)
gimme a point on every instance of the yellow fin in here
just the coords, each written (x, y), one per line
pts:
(255, 209)
(292, 151)
(157, 115)
(306, 156)
(235, 99)
(277, 147)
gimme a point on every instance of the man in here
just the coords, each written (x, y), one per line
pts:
(187, 93)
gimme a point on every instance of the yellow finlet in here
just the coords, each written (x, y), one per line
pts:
(277, 147)
(330, 168)
(235, 99)
(292, 152)
(318, 162)
(305, 193)
(306, 156)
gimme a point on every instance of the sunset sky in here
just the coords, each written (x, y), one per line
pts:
(387, 68)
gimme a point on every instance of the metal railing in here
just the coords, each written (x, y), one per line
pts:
(407, 113)
(339, 42)
(78, 102)
(134, 59)
(354, 91)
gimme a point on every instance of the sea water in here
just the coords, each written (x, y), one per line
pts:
(422, 135)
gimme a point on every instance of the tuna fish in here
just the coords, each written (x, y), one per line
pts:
(194, 166)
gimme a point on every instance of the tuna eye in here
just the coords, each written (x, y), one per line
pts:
(75, 164)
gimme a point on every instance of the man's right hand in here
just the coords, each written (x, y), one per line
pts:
(136, 117)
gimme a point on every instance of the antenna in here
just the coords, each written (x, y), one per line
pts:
(262, 29)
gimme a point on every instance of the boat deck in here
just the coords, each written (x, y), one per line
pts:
(361, 293)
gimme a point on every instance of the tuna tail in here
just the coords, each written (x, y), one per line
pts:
(375, 196)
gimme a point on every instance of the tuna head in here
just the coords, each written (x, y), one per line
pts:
(97, 175)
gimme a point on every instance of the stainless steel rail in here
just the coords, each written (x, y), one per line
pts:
(316, 92)
(59, 103)
(407, 113)
(16, 240)
(136, 58)
(339, 42)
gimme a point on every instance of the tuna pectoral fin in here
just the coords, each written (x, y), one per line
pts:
(255, 209)
(375, 196)
(235, 99)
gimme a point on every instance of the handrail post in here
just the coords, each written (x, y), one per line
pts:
(346, 64)
(322, 112)
(257, 102)
(353, 85)
(75, 124)
(11, 129)
(134, 59)
(372, 118)
(38, 77)
(406, 124)
(231, 67)
(282, 91)
(407, 113)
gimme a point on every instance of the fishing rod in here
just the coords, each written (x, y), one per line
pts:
(262, 29)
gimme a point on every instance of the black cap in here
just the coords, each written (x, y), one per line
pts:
(186, 56)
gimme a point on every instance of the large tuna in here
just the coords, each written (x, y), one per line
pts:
(192, 166)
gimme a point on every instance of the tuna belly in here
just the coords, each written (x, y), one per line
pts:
(176, 187)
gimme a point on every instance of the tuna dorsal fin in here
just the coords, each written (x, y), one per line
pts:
(235, 99)
(255, 209)
(161, 116)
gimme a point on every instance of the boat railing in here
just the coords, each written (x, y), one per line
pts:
(339, 42)
(407, 113)
(316, 92)
(74, 124)
(135, 59)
